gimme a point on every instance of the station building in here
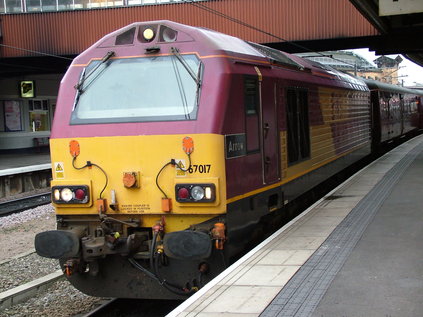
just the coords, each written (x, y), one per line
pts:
(27, 105)
(384, 69)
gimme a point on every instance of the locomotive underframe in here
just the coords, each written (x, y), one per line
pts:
(103, 265)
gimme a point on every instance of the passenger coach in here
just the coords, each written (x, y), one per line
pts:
(395, 111)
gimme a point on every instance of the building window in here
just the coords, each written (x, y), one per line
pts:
(38, 115)
(33, 5)
(23, 6)
(13, 6)
(65, 5)
(49, 5)
(298, 128)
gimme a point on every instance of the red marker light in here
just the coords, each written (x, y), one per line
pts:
(79, 194)
(74, 148)
(188, 145)
(183, 193)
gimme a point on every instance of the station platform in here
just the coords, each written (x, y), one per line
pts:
(356, 252)
(11, 164)
(24, 174)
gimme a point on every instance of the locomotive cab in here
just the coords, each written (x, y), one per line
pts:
(137, 154)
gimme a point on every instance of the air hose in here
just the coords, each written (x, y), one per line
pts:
(154, 264)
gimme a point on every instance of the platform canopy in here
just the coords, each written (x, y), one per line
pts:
(400, 24)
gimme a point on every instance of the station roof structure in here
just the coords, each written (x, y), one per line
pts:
(341, 60)
(62, 29)
(399, 23)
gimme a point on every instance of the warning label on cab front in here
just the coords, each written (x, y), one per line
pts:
(59, 170)
(180, 168)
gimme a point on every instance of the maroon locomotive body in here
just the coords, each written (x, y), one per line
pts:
(175, 148)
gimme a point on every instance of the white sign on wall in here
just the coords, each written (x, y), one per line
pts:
(395, 7)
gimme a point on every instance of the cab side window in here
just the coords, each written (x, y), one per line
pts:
(298, 126)
(252, 108)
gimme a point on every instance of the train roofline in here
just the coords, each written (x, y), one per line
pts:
(232, 46)
(377, 85)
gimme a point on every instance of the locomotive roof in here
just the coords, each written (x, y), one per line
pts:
(233, 44)
(216, 41)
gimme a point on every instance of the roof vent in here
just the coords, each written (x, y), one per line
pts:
(126, 37)
(167, 34)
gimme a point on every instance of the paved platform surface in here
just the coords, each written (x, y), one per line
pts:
(356, 252)
(383, 276)
(20, 163)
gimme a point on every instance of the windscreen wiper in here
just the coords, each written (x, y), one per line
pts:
(194, 76)
(79, 85)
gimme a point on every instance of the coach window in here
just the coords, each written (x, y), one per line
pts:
(298, 131)
(384, 105)
(251, 103)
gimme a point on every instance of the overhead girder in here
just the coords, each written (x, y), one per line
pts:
(399, 33)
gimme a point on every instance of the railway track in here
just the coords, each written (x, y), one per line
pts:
(20, 204)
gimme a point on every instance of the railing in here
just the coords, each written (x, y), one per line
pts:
(31, 6)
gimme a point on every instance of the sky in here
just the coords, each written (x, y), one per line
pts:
(411, 73)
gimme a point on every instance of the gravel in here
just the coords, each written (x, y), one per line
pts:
(25, 269)
(44, 211)
(61, 299)
(17, 232)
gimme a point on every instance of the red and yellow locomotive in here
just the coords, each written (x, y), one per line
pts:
(171, 144)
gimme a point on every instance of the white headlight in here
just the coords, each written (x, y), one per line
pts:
(56, 194)
(197, 193)
(208, 193)
(148, 34)
(66, 194)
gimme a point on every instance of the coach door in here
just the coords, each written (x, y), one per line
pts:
(269, 130)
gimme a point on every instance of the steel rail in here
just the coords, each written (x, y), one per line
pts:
(28, 290)
(24, 203)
